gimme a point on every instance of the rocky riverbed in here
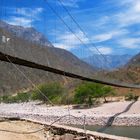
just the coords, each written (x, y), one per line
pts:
(124, 113)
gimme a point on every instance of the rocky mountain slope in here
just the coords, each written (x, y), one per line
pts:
(135, 61)
(11, 78)
(130, 73)
(29, 34)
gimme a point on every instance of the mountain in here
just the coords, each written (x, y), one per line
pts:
(108, 62)
(135, 61)
(12, 77)
(30, 34)
(129, 73)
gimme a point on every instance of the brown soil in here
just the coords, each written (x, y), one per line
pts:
(20, 126)
(124, 91)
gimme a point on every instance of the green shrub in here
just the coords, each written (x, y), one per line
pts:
(67, 98)
(85, 92)
(23, 97)
(4, 99)
(131, 96)
(20, 97)
(106, 91)
(53, 91)
(136, 98)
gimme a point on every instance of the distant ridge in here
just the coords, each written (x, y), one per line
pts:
(112, 61)
(30, 34)
(129, 73)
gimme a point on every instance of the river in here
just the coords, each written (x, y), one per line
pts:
(131, 132)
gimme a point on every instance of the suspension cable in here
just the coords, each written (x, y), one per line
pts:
(69, 28)
(78, 25)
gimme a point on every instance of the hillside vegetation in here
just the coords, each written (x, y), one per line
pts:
(56, 93)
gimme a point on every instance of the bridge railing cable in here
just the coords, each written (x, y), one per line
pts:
(48, 127)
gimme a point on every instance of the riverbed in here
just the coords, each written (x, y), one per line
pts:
(117, 114)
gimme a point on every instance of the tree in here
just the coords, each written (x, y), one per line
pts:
(106, 91)
(53, 91)
(86, 91)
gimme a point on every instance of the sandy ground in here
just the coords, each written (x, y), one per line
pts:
(20, 127)
(97, 115)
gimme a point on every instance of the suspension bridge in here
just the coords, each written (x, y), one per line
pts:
(11, 52)
(16, 59)
(19, 61)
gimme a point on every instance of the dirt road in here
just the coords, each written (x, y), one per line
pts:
(20, 127)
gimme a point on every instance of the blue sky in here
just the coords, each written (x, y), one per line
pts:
(112, 25)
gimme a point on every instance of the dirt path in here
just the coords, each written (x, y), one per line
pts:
(20, 127)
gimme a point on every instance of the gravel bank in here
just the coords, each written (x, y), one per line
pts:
(119, 113)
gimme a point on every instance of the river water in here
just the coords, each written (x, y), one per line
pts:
(131, 132)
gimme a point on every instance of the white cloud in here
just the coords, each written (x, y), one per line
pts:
(102, 21)
(73, 38)
(127, 14)
(21, 21)
(68, 3)
(112, 27)
(29, 12)
(63, 46)
(23, 16)
(131, 15)
(109, 35)
(69, 41)
(124, 2)
(102, 37)
(102, 50)
(130, 43)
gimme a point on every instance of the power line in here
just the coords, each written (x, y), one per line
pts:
(82, 42)
(56, 13)
(65, 23)
(9, 60)
(80, 28)
(39, 92)
(30, 81)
